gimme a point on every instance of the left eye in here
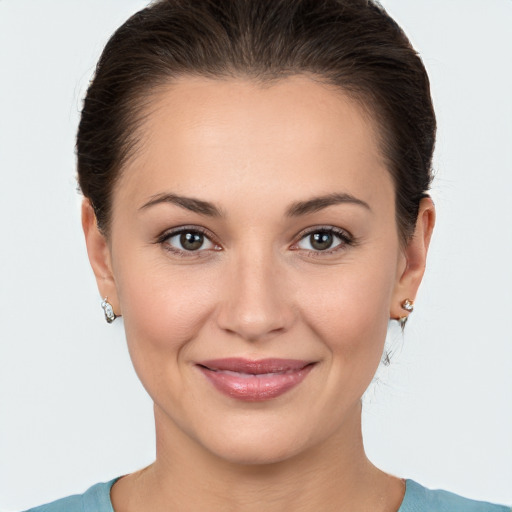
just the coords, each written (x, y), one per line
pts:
(321, 240)
(189, 241)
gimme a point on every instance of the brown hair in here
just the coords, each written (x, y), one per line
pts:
(352, 44)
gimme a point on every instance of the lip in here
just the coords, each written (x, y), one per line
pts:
(255, 380)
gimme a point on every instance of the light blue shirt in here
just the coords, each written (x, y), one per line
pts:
(417, 499)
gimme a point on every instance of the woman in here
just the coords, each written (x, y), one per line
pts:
(255, 178)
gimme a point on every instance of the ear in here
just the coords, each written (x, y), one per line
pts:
(99, 254)
(414, 259)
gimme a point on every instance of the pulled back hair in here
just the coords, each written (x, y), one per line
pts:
(352, 44)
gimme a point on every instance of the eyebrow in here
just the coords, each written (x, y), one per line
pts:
(294, 210)
(319, 203)
(189, 203)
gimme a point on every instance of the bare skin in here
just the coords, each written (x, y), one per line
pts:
(255, 161)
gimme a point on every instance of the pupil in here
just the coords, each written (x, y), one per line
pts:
(191, 241)
(321, 241)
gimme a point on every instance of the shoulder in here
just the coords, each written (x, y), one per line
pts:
(420, 499)
(95, 499)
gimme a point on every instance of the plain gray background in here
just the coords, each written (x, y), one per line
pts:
(71, 409)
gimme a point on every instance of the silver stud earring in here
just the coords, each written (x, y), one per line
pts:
(110, 316)
(408, 305)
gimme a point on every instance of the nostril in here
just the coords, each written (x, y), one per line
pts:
(252, 327)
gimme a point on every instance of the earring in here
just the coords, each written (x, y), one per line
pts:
(408, 305)
(110, 316)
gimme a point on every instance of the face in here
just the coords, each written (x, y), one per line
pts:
(255, 258)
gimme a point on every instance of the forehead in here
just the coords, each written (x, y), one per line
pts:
(203, 136)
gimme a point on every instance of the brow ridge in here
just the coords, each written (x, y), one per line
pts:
(296, 209)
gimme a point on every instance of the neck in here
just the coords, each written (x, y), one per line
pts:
(334, 475)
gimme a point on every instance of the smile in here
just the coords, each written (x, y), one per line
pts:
(255, 381)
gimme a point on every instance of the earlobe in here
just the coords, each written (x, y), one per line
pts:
(99, 254)
(415, 254)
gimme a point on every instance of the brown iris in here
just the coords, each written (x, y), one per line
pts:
(191, 241)
(321, 240)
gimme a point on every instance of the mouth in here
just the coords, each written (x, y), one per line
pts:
(255, 380)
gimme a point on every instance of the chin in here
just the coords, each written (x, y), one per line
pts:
(256, 444)
(256, 454)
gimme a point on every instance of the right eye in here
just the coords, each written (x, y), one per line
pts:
(187, 240)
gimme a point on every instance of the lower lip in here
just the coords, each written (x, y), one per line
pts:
(255, 388)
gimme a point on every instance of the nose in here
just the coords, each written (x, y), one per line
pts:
(257, 301)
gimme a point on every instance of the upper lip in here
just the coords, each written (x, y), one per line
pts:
(255, 367)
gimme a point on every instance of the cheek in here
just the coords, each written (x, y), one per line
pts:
(349, 311)
(351, 321)
(163, 308)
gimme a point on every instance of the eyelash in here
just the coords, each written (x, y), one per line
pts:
(346, 239)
